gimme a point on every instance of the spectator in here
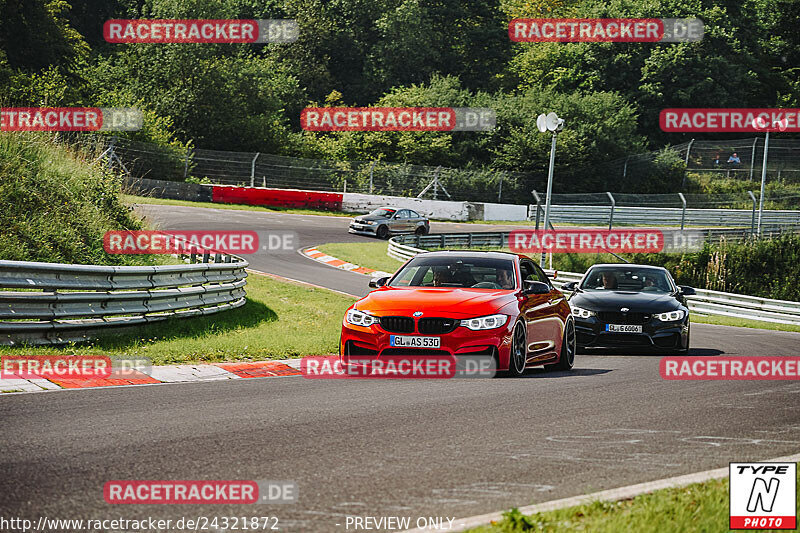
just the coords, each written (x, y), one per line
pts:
(716, 160)
(734, 160)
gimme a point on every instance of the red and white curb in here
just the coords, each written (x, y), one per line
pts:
(160, 374)
(322, 257)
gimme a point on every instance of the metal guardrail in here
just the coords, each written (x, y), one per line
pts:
(64, 303)
(704, 302)
(601, 215)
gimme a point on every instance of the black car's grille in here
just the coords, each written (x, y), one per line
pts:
(397, 324)
(617, 317)
(437, 326)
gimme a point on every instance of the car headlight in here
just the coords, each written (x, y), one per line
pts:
(360, 318)
(369, 222)
(671, 316)
(580, 312)
(485, 322)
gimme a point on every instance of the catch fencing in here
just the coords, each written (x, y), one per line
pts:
(54, 303)
(140, 159)
(704, 302)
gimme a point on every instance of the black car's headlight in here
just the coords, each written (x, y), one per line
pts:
(671, 316)
(580, 312)
(485, 322)
(360, 318)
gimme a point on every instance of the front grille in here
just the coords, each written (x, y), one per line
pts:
(414, 352)
(437, 326)
(397, 324)
(617, 317)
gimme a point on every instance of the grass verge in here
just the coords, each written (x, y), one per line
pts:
(280, 320)
(743, 323)
(696, 507)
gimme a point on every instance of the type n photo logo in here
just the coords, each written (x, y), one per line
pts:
(763, 495)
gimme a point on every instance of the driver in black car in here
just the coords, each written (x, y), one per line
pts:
(609, 280)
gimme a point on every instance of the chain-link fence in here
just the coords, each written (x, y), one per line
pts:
(463, 184)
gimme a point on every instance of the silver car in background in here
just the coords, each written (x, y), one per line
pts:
(386, 221)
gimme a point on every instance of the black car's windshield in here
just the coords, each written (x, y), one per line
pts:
(626, 279)
(382, 212)
(475, 273)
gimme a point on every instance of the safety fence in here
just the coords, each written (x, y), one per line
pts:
(140, 159)
(704, 302)
(54, 303)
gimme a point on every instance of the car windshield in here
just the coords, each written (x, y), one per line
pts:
(463, 272)
(383, 212)
(626, 279)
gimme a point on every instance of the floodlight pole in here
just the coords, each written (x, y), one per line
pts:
(549, 190)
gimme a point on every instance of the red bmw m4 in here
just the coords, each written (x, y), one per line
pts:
(461, 304)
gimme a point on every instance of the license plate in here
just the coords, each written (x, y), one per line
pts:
(406, 341)
(623, 328)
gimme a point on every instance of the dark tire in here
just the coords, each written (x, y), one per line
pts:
(569, 348)
(421, 230)
(382, 232)
(519, 351)
(684, 351)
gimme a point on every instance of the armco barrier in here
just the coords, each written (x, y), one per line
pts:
(704, 302)
(276, 197)
(72, 303)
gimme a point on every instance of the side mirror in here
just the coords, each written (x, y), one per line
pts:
(535, 287)
(686, 290)
(571, 286)
(378, 282)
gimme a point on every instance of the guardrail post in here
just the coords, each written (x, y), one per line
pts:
(206, 257)
(683, 210)
(753, 158)
(443, 241)
(538, 206)
(753, 219)
(469, 240)
(686, 163)
(186, 162)
(611, 215)
(417, 238)
(253, 170)
(500, 189)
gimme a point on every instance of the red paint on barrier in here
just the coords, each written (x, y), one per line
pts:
(225, 194)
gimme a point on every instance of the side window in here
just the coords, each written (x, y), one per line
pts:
(403, 213)
(531, 272)
(413, 214)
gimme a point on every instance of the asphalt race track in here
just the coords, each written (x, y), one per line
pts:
(390, 448)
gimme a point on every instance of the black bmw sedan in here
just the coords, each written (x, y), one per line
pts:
(625, 305)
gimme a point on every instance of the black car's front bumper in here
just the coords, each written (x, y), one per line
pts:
(362, 229)
(592, 333)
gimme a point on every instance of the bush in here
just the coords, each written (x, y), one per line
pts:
(57, 206)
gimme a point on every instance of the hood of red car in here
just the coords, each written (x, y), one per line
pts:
(440, 302)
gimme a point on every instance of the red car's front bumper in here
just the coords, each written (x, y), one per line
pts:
(358, 342)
